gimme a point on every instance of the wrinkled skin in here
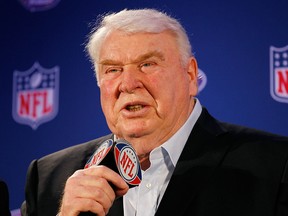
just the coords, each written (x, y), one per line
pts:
(145, 70)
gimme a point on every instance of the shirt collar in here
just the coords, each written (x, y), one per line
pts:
(176, 143)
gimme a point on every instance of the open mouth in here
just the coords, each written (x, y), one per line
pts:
(134, 108)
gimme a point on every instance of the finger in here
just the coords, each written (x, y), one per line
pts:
(91, 187)
(111, 176)
(82, 198)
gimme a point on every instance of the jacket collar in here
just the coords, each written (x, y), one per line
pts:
(202, 154)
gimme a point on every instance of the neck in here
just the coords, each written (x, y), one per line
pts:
(144, 161)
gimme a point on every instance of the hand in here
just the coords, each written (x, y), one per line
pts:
(93, 189)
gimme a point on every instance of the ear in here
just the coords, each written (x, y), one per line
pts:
(193, 76)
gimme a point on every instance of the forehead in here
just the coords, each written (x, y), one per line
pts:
(126, 47)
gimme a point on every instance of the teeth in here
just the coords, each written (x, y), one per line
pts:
(134, 107)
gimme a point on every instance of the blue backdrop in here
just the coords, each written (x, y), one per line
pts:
(49, 99)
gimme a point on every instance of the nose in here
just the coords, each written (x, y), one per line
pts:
(130, 79)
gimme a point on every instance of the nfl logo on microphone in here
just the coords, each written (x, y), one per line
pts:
(279, 73)
(35, 95)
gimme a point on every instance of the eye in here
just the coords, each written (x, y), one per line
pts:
(114, 70)
(147, 66)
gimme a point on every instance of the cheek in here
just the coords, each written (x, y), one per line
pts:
(175, 91)
(108, 88)
(107, 94)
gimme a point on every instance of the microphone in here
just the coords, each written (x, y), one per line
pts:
(119, 156)
(127, 163)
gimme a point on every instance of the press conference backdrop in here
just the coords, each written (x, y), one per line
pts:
(49, 99)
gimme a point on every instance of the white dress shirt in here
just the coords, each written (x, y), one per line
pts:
(144, 199)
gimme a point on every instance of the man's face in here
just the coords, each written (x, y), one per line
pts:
(145, 90)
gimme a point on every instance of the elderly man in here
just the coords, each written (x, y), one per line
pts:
(191, 163)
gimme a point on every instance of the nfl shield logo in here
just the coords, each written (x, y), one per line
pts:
(279, 73)
(127, 163)
(100, 153)
(35, 95)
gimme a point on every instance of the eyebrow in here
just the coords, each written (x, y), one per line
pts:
(138, 59)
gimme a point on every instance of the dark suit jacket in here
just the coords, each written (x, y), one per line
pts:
(224, 170)
(4, 199)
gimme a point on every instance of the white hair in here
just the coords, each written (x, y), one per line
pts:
(136, 21)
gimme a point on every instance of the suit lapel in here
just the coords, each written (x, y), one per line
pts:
(202, 154)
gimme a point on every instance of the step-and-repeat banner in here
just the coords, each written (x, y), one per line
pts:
(49, 99)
